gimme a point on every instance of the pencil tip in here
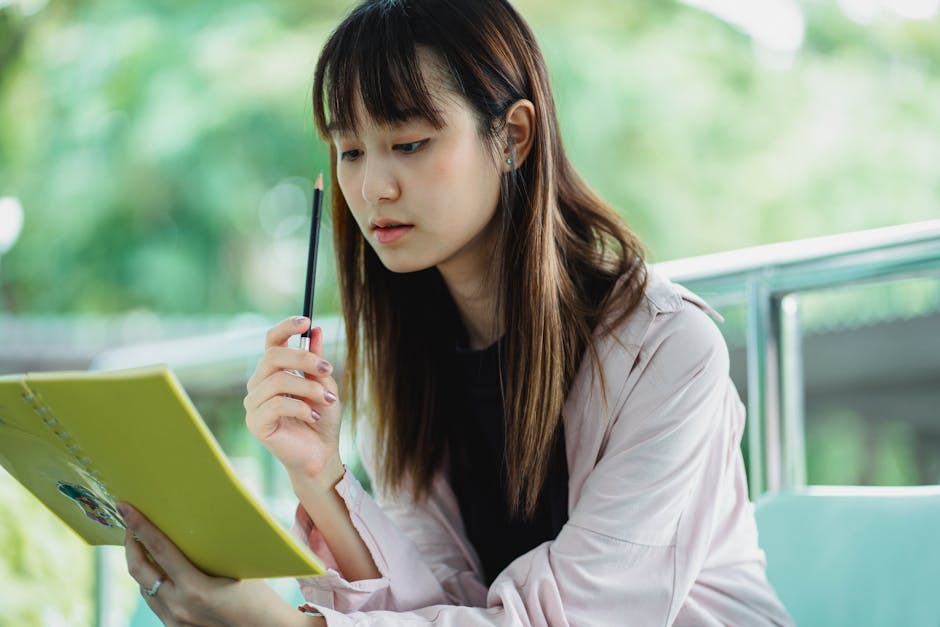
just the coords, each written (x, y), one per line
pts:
(319, 183)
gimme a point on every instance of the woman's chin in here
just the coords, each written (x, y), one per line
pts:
(401, 265)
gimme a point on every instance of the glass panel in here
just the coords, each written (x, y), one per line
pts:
(871, 370)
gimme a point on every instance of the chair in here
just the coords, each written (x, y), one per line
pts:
(854, 555)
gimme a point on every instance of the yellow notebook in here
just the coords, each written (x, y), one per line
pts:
(83, 441)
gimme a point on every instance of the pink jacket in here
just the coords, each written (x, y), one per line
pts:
(660, 531)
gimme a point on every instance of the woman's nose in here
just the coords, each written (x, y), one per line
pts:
(378, 183)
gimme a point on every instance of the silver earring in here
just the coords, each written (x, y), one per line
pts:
(509, 160)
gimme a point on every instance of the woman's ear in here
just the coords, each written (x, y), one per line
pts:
(520, 132)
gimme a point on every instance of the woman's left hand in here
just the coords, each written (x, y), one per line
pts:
(186, 595)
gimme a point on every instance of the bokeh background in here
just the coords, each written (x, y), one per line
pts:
(156, 161)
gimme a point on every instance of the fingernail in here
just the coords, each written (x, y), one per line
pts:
(329, 397)
(324, 367)
(314, 414)
(298, 320)
(123, 509)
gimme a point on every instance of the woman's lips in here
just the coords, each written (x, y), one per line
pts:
(391, 234)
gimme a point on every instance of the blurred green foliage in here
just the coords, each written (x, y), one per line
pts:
(845, 449)
(45, 572)
(145, 142)
(164, 151)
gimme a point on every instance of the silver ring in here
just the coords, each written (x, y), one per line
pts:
(152, 591)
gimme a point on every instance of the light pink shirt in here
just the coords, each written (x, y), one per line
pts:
(660, 529)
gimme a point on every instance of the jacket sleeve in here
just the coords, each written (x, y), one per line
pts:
(629, 554)
(419, 549)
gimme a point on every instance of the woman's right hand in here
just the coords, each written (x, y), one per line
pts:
(296, 418)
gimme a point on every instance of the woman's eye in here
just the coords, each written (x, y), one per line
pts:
(350, 155)
(410, 147)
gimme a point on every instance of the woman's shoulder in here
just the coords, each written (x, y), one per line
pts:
(670, 322)
(667, 352)
(667, 297)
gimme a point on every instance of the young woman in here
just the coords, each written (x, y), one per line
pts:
(552, 432)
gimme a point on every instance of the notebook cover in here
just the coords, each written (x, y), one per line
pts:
(83, 441)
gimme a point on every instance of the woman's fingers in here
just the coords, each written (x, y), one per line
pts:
(163, 554)
(282, 383)
(316, 341)
(279, 358)
(279, 398)
(279, 334)
(144, 572)
(155, 585)
(264, 421)
(185, 595)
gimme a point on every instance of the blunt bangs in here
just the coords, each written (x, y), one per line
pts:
(372, 56)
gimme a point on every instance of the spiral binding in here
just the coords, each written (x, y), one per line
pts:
(71, 445)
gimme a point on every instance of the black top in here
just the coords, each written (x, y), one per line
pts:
(478, 468)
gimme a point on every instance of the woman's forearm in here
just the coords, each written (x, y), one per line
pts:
(328, 512)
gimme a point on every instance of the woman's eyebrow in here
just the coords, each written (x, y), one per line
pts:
(338, 130)
(396, 118)
(409, 118)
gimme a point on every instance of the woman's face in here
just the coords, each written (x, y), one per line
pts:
(423, 196)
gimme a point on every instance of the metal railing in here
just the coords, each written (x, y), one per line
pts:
(768, 280)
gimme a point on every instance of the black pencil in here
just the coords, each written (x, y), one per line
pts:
(312, 257)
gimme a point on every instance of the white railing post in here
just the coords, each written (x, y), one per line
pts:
(792, 394)
(759, 346)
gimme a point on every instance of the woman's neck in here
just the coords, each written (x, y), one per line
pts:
(476, 306)
(473, 288)
(471, 277)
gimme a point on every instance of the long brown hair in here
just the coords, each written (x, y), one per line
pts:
(558, 241)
